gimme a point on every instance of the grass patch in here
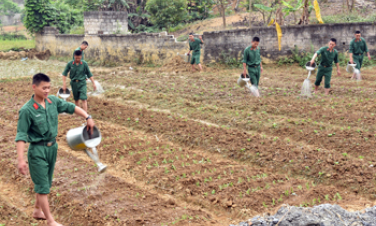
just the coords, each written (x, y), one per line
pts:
(354, 17)
(15, 44)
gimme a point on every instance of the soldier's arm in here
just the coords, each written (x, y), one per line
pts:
(245, 57)
(351, 50)
(63, 106)
(65, 74)
(21, 138)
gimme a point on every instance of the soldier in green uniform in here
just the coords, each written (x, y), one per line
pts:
(194, 45)
(82, 47)
(78, 71)
(252, 60)
(328, 55)
(38, 125)
(358, 46)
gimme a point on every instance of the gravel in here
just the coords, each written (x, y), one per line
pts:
(322, 215)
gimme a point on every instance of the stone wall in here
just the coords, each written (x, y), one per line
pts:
(143, 47)
(106, 22)
(233, 42)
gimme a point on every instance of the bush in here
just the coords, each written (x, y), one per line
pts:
(12, 36)
(77, 30)
(167, 13)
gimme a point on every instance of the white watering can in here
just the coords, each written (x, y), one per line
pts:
(243, 81)
(63, 94)
(350, 67)
(80, 139)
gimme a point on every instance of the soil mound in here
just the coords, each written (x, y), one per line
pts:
(178, 65)
(30, 54)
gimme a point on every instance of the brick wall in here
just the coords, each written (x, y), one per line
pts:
(109, 22)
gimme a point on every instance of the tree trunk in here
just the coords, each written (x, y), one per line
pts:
(304, 19)
(223, 9)
(352, 5)
(237, 6)
(250, 13)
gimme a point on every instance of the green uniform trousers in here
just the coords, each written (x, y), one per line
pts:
(254, 74)
(79, 89)
(42, 161)
(195, 58)
(324, 71)
(358, 59)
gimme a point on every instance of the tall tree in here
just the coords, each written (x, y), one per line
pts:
(8, 8)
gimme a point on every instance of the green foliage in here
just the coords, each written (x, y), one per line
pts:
(199, 9)
(77, 30)
(12, 36)
(8, 8)
(167, 13)
(41, 13)
(231, 62)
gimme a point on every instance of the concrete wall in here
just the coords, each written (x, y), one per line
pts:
(233, 42)
(157, 48)
(142, 47)
(108, 22)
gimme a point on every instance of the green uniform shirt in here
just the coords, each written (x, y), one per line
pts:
(83, 53)
(195, 45)
(37, 124)
(77, 71)
(327, 57)
(252, 56)
(358, 47)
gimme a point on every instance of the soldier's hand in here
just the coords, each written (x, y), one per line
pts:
(338, 73)
(90, 125)
(22, 167)
(244, 74)
(64, 87)
(312, 62)
(261, 69)
(369, 57)
(200, 37)
(94, 87)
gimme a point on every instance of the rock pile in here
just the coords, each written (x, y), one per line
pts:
(322, 215)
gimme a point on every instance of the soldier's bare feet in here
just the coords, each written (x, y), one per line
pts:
(54, 223)
(38, 214)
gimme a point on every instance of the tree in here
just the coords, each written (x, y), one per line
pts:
(292, 7)
(41, 13)
(167, 13)
(8, 8)
(135, 19)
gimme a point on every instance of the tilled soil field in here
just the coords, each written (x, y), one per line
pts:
(194, 149)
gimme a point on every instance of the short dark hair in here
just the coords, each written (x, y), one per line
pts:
(357, 32)
(256, 39)
(40, 77)
(77, 53)
(85, 43)
(191, 33)
(333, 40)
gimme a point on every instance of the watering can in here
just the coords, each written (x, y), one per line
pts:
(350, 67)
(63, 94)
(81, 139)
(309, 67)
(185, 57)
(243, 81)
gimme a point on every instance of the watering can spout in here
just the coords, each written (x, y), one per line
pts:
(80, 139)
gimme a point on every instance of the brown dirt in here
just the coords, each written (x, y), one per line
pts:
(32, 54)
(224, 172)
(177, 66)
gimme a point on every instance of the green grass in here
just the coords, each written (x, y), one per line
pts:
(6, 45)
(354, 17)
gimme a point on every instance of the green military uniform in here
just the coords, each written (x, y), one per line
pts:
(38, 126)
(357, 48)
(325, 67)
(78, 74)
(83, 53)
(196, 48)
(253, 60)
